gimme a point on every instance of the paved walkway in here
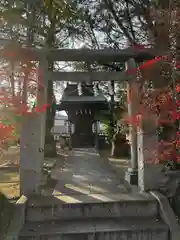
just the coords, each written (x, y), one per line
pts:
(85, 177)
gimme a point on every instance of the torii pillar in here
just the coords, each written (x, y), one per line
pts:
(131, 175)
(32, 140)
(150, 171)
(145, 171)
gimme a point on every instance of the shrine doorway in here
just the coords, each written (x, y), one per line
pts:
(83, 135)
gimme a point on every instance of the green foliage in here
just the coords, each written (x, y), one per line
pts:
(108, 130)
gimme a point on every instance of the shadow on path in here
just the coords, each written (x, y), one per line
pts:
(84, 177)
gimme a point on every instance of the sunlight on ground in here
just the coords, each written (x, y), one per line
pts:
(10, 190)
(83, 193)
(9, 182)
(8, 176)
(64, 154)
(85, 198)
(94, 188)
(65, 198)
(78, 189)
(9, 172)
(116, 160)
(100, 197)
(83, 178)
(78, 152)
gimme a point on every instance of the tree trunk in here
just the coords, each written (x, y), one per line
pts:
(113, 148)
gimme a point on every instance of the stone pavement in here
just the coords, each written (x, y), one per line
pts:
(85, 177)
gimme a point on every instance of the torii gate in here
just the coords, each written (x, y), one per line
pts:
(33, 130)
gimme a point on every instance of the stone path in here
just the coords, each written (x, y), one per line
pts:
(85, 177)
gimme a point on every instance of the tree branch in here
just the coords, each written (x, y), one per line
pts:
(110, 7)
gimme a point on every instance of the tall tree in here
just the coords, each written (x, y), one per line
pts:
(117, 24)
(49, 25)
(59, 16)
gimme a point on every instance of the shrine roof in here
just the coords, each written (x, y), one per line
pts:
(88, 94)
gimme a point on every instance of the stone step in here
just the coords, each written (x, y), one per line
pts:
(111, 229)
(46, 201)
(47, 208)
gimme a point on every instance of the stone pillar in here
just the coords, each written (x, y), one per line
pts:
(30, 155)
(42, 102)
(131, 175)
(32, 141)
(150, 174)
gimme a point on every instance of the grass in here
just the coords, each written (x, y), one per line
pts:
(9, 173)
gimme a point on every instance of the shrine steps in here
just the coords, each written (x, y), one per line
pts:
(126, 217)
(126, 229)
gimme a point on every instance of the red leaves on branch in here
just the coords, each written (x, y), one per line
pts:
(15, 103)
(6, 132)
(161, 104)
(136, 120)
(178, 88)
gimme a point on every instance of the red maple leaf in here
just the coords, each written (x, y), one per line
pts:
(178, 88)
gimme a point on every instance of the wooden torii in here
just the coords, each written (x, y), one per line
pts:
(33, 130)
